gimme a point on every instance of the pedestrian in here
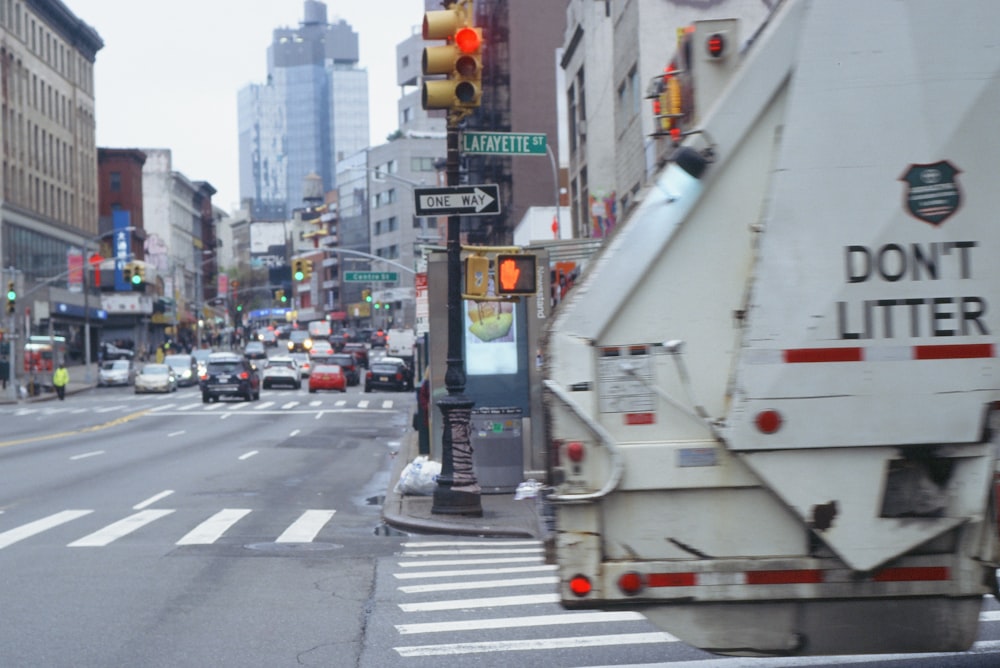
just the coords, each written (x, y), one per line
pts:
(59, 380)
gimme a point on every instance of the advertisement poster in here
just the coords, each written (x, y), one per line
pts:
(490, 338)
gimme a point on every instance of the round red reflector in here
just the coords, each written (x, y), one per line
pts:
(716, 45)
(574, 451)
(768, 421)
(630, 583)
(580, 585)
(467, 40)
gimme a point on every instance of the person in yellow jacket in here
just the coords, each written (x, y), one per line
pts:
(59, 380)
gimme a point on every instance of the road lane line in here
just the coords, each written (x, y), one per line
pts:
(247, 455)
(95, 453)
(305, 529)
(212, 529)
(339, 403)
(290, 404)
(30, 529)
(75, 432)
(119, 529)
(363, 403)
(266, 404)
(566, 618)
(153, 499)
(175, 433)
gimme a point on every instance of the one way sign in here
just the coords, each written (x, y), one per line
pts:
(478, 200)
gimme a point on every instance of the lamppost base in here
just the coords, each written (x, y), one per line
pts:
(448, 501)
(457, 491)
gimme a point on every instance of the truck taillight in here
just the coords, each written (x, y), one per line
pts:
(575, 451)
(769, 421)
(630, 583)
(580, 585)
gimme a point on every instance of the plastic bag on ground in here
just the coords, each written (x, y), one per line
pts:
(419, 477)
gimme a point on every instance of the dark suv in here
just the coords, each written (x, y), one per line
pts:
(230, 375)
(348, 363)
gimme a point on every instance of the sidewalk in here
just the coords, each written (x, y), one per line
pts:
(78, 382)
(503, 517)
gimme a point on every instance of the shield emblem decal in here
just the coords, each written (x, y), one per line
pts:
(932, 194)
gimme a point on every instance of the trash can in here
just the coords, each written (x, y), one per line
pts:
(497, 449)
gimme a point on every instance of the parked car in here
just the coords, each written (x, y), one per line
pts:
(327, 377)
(347, 362)
(305, 364)
(360, 352)
(185, 368)
(281, 370)
(230, 375)
(299, 341)
(388, 375)
(113, 352)
(116, 372)
(155, 378)
(254, 350)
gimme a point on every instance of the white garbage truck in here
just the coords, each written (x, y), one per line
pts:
(773, 398)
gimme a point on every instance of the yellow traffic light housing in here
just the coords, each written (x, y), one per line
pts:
(11, 297)
(515, 274)
(460, 60)
(298, 272)
(307, 269)
(366, 295)
(477, 275)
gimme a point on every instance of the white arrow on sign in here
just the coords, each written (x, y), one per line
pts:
(457, 199)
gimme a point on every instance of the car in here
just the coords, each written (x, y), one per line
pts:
(185, 368)
(349, 364)
(116, 372)
(113, 352)
(155, 378)
(327, 377)
(254, 350)
(360, 352)
(299, 341)
(230, 375)
(268, 338)
(320, 348)
(200, 356)
(378, 338)
(391, 375)
(281, 370)
(305, 364)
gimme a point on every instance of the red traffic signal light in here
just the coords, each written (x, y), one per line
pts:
(460, 59)
(715, 44)
(515, 274)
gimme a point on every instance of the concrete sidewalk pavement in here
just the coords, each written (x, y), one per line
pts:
(79, 380)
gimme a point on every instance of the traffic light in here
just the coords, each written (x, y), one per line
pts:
(477, 275)
(298, 272)
(279, 295)
(127, 273)
(516, 274)
(460, 59)
(307, 269)
(11, 297)
(367, 295)
(138, 279)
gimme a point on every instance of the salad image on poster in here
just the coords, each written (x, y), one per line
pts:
(490, 338)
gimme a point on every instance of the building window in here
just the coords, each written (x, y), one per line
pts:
(115, 182)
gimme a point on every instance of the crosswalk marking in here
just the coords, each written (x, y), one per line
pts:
(387, 403)
(475, 571)
(459, 562)
(12, 536)
(264, 404)
(363, 403)
(494, 602)
(236, 407)
(212, 529)
(305, 529)
(478, 584)
(566, 618)
(536, 644)
(290, 404)
(120, 528)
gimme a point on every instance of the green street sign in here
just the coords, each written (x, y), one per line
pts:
(504, 143)
(370, 276)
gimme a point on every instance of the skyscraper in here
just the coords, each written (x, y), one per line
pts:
(311, 112)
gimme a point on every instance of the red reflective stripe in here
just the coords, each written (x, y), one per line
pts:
(809, 355)
(784, 577)
(639, 418)
(672, 579)
(912, 574)
(966, 351)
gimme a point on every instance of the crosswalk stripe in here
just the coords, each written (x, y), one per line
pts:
(290, 404)
(479, 584)
(363, 403)
(471, 543)
(190, 407)
(236, 407)
(16, 534)
(535, 644)
(164, 407)
(120, 528)
(387, 403)
(468, 562)
(212, 529)
(305, 529)
(264, 404)
(475, 571)
(494, 602)
(459, 551)
(339, 403)
(566, 618)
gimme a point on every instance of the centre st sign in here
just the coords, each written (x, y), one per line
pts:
(370, 276)
(474, 200)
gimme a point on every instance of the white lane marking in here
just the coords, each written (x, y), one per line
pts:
(236, 407)
(212, 529)
(470, 543)
(191, 407)
(164, 407)
(475, 571)
(214, 407)
(318, 415)
(76, 411)
(95, 453)
(305, 529)
(263, 405)
(247, 455)
(461, 551)
(314, 404)
(121, 528)
(387, 403)
(567, 618)
(493, 602)
(108, 409)
(30, 529)
(295, 432)
(290, 404)
(339, 403)
(175, 433)
(481, 584)
(363, 403)
(153, 499)
(536, 644)
(464, 562)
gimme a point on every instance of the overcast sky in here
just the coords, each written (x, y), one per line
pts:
(169, 72)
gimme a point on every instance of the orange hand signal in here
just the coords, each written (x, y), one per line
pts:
(509, 273)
